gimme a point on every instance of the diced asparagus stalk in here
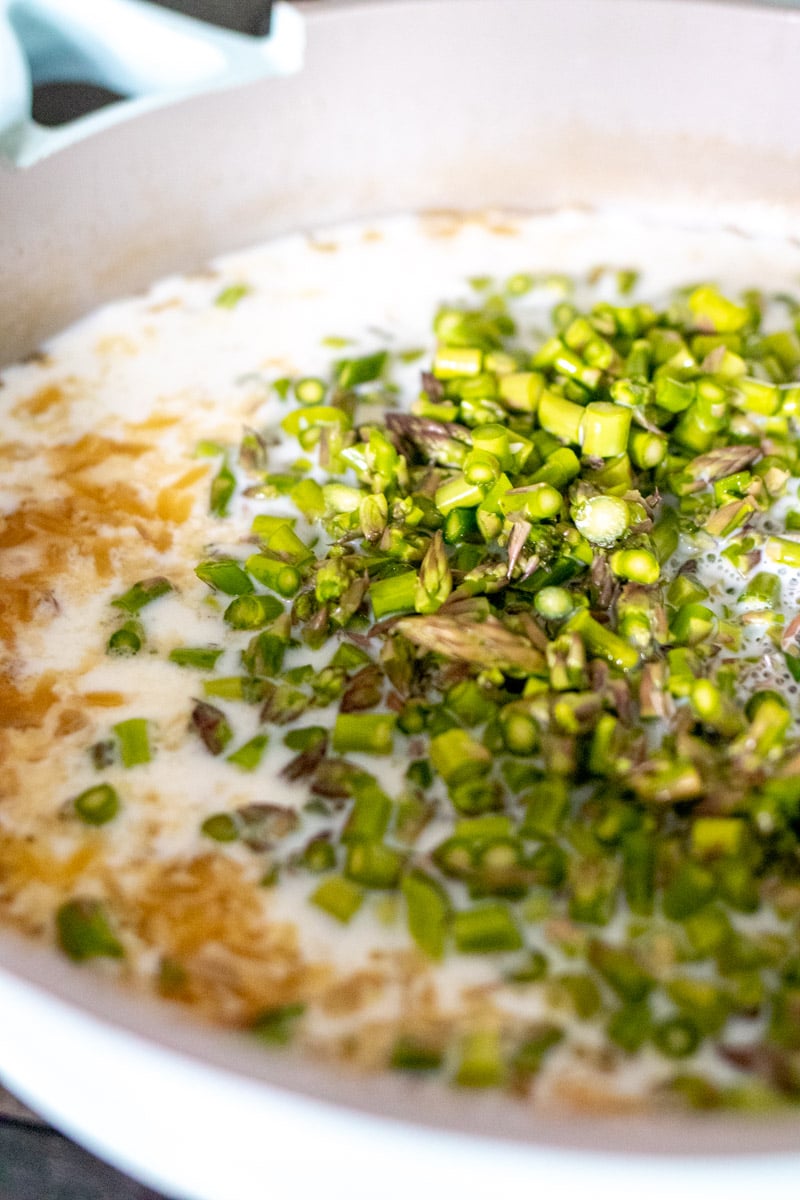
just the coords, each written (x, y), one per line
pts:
(602, 642)
(601, 519)
(435, 578)
(605, 428)
(487, 643)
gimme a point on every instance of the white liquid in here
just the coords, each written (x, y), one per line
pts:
(173, 352)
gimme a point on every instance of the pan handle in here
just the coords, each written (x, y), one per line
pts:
(148, 54)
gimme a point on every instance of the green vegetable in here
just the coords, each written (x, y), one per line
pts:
(201, 658)
(277, 1026)
(395, 594)
(225, 575)
(85, 931)
(252, 612)
(223, 486)
(134, 742)
(142, 594)
(481, 1062)
(374, 865)
(212, 727)
(249, 755)
(338, 897)
(369, 733)
(428, 912)
(221, 827)
(97, 805)
(230, 296)
(486, 930)
(601, 519)
(310, 390)
(409, 1054)
(605, 429)
(352, 372)
(457, 757)
(281, 577)
(127, 640)
(677, 1037)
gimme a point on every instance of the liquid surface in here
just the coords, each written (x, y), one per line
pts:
(110, 442)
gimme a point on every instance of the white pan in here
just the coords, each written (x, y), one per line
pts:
(373, 107)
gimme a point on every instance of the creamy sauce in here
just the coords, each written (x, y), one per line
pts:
(101, 485)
